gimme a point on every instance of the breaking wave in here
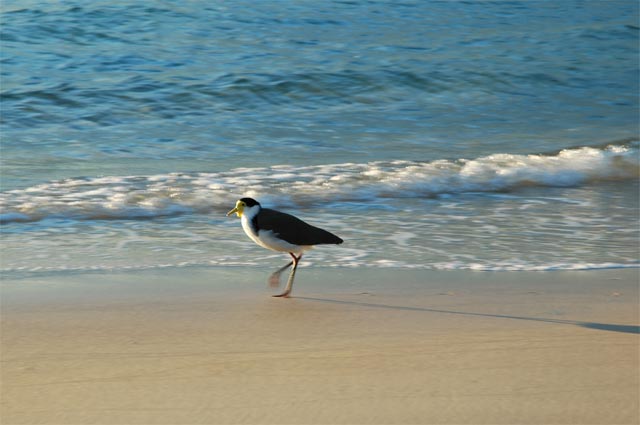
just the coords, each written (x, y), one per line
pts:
(140, 197)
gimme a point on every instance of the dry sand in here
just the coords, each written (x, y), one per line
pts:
(193, 346)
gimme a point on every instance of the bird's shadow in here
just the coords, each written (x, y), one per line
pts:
(632, 329)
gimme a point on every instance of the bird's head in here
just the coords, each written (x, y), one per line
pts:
(242, 204)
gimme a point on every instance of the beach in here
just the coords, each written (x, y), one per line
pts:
(352, 346)
(480, 160)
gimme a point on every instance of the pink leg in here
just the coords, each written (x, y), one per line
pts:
(292, 275)
(274, 279)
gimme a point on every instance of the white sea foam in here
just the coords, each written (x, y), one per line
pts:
(228, 262)
(531, 267)
(128, 197)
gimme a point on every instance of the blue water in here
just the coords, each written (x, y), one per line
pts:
(438, 135)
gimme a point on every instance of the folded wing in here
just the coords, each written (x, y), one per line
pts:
(294, 230)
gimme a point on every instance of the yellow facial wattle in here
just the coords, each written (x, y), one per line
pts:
(238, 209)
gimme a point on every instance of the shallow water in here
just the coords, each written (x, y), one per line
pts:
(436, 135)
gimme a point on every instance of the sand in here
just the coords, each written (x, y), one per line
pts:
(210, 346)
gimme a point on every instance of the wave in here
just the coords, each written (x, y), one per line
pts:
(148, 197)
(162, 98)
(381, 264)
(153, 96)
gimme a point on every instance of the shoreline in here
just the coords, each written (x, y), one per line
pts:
(204, 345)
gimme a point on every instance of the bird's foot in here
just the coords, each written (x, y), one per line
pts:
(274, 280)
(285, 294)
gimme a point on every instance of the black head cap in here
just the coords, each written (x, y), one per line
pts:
(250, 202)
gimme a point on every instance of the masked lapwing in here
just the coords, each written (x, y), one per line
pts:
(282, 232)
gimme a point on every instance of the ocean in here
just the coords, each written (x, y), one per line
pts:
(435, 135)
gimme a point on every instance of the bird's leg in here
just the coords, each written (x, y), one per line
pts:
(274, 279)
(292, 275)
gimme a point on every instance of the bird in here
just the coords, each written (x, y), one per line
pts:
(281, 232)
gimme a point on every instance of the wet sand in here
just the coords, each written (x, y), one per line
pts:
(198, 346)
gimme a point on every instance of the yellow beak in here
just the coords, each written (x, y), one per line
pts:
(238, 209)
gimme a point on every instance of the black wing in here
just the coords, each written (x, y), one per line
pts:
(292, 229)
